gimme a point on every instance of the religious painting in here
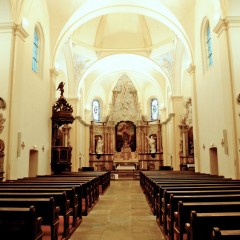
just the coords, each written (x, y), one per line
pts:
(125, 135)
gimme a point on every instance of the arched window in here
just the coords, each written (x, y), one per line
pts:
(35, 55)
(96, 110)
(209, 46)
(154, 109)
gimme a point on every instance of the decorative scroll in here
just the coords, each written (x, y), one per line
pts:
(125, 101)
(2, 145)
(2, 103)
(2, 120)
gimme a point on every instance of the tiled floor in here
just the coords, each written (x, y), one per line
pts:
(122, 213)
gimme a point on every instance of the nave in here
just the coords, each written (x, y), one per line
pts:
(122, 212)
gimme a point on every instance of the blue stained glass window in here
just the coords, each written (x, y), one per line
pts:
(154, 109)
(209, 47)
(35, 52)
(96, 110)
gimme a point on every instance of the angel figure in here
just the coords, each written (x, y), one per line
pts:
(61, 87)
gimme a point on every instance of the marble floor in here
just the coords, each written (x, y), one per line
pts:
(122, 213)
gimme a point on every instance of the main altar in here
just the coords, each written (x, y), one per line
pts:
(125, 134)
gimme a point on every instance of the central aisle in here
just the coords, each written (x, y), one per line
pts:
(122, 213)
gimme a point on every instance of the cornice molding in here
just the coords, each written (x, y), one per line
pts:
(226, 23)
(176, 98)
(15, 29)
(53, 72)
(80, 120)
(170, 116)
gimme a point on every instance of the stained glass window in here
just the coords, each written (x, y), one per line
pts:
(96, 110)
(209, 47)
(35, 56)
(154, 109)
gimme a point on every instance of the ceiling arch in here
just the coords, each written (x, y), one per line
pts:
(131, 64)
(92, 9)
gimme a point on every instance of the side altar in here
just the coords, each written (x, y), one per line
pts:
(125, 140)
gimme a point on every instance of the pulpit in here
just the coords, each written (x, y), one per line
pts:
(61, 159)
(61, 149)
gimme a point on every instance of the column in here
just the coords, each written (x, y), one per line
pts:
(228, 31)
(191, 71)
(12, 42)
(177, 103)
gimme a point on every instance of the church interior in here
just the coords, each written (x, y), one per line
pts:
(119, 87)
(166, 69)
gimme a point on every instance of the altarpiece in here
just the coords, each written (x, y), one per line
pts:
(125, 133)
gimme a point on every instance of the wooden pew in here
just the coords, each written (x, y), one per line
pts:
(88, 196)
(60, 198)
(20, 223)
(201, 224)
(218, 234)
(44, 207)
(168, 209)
(74, 194)
(70, 192)
(174, 199)
(160, 207)
(156, 188)
(104, 178)
(182, 215)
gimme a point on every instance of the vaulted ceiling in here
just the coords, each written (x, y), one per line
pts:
(123, 33)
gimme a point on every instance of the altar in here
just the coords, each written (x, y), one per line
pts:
(125, 167)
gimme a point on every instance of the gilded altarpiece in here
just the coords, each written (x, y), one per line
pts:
(125, 133)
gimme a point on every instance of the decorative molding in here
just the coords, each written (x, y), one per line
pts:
(238, 98)
(53, 72)
(7, 27)
(170, 116)
(80, 120)
(16, 29)
(21, 32)
(178, 98)
(2, 103)
(191, 69)
(124, 101)
(2, 145)
(2, 120)
(220, 27)
(226, 23)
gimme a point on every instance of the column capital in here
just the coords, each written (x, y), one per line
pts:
(53, 72)
(191, 69)
(226, 23)
(15, 29)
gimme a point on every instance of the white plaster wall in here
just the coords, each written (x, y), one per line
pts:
(213, 96)
(30, 109)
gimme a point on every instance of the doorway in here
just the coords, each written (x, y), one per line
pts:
(213, 161)
(33, 163)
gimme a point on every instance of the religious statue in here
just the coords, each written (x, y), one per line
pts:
(61, 87)
(99, 147)
(152, 144)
